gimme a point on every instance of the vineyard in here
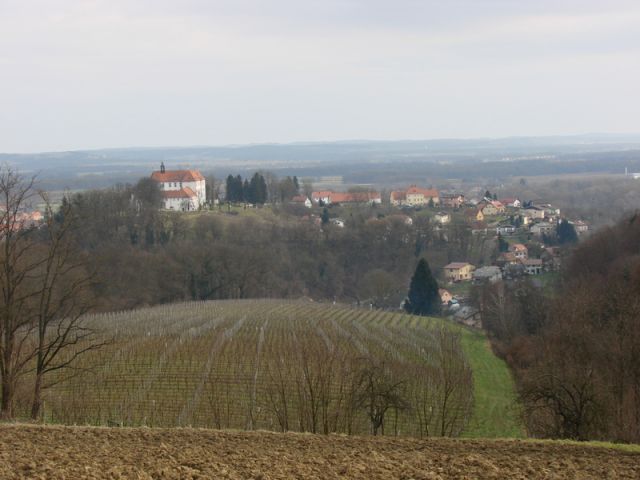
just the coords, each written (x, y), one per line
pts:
(288, 366)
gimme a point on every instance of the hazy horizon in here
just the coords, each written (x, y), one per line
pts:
(153, 74)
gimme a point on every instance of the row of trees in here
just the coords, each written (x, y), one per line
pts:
(45, 291)
(249, 191)
(264, 188)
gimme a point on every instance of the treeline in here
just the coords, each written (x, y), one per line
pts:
(575, 347)
(260, 190)
(250, 191)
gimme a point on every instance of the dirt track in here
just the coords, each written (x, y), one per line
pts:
(86, 452)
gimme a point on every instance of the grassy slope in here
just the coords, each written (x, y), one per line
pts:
(496, 414)
(496, 409)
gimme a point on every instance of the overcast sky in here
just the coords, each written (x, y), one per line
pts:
(115, 73)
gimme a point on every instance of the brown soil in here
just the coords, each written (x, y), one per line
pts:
(87, 452)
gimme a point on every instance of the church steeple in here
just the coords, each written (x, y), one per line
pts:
(161, 167)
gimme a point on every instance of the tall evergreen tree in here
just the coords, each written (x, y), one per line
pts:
(246, 192)
(325, 216)
(231, 185)
(262, 189)
(423, 298)
(566, 233)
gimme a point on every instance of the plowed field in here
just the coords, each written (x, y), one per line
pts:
(141, 453)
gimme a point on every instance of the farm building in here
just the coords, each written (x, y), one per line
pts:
(458, 271)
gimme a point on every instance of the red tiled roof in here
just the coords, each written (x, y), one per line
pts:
(321, 193)
(342, 197)
(426, 192)
(339, 197)
(177, 176)
(185, 192)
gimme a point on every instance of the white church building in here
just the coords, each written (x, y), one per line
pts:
(182, 190)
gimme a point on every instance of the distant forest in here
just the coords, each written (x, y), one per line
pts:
(364, 162)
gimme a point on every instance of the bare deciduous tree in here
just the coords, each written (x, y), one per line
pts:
(43, 285)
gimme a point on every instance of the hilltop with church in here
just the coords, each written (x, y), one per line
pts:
(182, 190)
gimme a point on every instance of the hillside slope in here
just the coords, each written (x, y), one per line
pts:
(242, 365)
(143, 453)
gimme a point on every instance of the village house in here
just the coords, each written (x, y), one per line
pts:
(490, 208)
(329, 197)
(533, 266)
(182, 190)
(505, 230)
(542, 228)
(458, 271)
(442, 218)
(519, 250)
(451, 200)
(532, 212)
(580, 226)
(474, 215)
(507, 258)
(550, 210)
(414, 196)
(490, 274)
(511, 202)
(302, 200)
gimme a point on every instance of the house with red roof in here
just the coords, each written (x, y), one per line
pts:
(182, 190)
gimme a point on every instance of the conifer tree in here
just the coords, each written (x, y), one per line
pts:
(566, 233)
(423, 298)
(325, 216)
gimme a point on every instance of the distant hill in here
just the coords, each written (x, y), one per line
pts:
(358, 161)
